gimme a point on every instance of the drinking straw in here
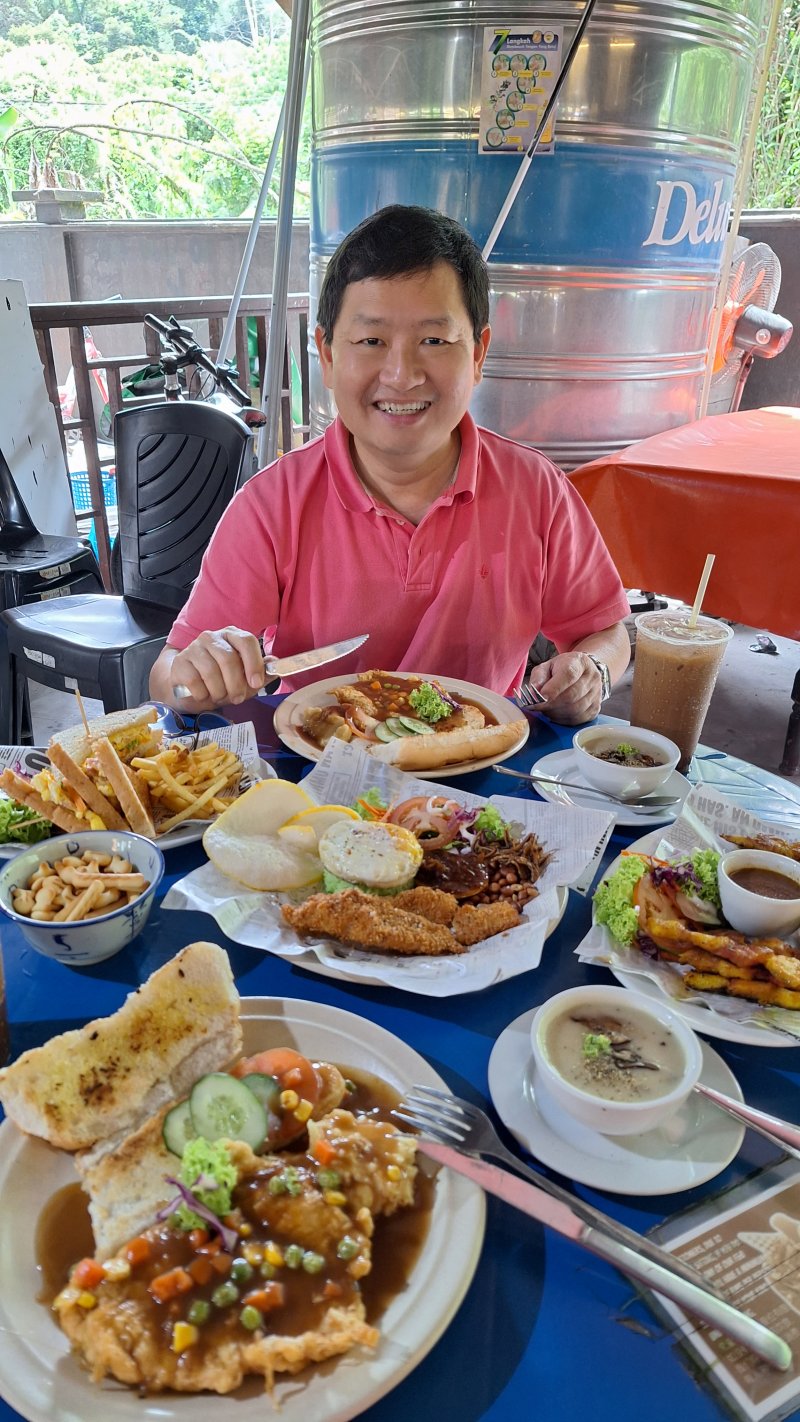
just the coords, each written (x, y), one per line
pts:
(701, 589)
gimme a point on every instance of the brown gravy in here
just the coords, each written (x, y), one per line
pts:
(768, 883)
(389, 693)
(64, 1232)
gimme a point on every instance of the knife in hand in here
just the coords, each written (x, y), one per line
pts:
(302, 661)
(560, 1217)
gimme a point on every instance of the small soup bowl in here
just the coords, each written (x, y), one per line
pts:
(758, 913)
(600, 1113)
(87, 940)
(625, 781)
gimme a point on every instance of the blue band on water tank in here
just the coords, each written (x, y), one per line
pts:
(583, 204)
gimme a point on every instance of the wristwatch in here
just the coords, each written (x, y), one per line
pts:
(605, 677)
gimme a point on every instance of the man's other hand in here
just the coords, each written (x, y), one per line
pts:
(572, 686)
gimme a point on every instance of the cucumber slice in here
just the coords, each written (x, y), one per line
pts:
(266, 1089)
(178, 1128)
(418, 728)
(223, 1106)
(396, 725)
(383, 733)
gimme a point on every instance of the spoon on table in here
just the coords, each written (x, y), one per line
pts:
(638, 802)
(781, 1133)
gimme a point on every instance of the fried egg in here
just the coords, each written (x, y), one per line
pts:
(380, 856)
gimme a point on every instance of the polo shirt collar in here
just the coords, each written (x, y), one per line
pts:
(351, 492)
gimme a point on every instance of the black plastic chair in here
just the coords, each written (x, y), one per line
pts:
(177, 464)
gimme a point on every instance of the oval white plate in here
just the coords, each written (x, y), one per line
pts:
(289, 712)
(40, 1378)
(694, 1146)
(561, 765)
(188, 833)
(702, 1018)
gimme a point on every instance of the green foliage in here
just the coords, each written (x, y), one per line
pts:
(775, 179)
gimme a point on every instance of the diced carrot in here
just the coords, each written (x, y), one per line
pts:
(198, 1237)
(88, 1274)
(213, 1246)
(201, 1269)
(332, 1290)
(167, 1286)
(221, 1262)
(137, 1251)
(323, 1151)
(272, 1295)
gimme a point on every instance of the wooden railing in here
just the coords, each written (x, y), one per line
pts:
(211, 311)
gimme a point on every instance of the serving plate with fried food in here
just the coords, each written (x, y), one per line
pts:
(45, 1382)
(389, 714)
(722, 985)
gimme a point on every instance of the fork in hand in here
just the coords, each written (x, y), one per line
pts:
(456, 1122)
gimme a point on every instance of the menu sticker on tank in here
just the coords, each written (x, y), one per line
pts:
(519, 71)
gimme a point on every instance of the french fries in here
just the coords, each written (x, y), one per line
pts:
(189, 784)
(78, 887)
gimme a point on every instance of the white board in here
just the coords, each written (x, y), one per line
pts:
(29, 436)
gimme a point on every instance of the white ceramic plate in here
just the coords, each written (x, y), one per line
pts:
(188, 833)
(288, 719)
(40, 1378)
(694, 1146)
(703, 1018)
(562, 765)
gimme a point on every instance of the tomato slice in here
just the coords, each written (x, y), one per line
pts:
(293, 1072)
(653, 902)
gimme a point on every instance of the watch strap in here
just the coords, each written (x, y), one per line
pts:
(605, 677)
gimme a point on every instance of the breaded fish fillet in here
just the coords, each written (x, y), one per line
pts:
(473, 924)
(433, 904)
(366, 921)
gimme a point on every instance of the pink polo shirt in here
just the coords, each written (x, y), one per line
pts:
(507, 551)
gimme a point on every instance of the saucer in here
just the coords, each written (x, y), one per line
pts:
(690, 1148)
(563, 765)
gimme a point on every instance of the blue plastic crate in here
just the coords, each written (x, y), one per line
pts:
(81, 497)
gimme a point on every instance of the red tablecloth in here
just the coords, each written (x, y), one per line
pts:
(728, 485)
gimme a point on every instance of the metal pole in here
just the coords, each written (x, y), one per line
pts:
(230, 320)
(540, 127)
(740, 188)
(267, 447)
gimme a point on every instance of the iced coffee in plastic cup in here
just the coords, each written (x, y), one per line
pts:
(674, 672)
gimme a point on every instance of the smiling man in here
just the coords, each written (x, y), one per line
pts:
(451, 546)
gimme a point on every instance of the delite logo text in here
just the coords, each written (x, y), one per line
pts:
(679, 215)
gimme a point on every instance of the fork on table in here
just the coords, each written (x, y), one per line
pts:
(458, 1123)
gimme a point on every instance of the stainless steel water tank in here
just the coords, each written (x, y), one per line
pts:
(603, 279)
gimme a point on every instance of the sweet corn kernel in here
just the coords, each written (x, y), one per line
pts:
(253, 1253)
(86, 1300)
(184, 1335)
(117, 1269)
(334, 1197)
(66, 1298)
(289, 1100)
(393, 1172)
(245, 1229)
(273, 1254)
(303, 1111)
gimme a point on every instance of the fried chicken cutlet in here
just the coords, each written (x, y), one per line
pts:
(366, 921)
(474, 923)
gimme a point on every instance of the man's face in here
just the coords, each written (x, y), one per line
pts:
(402, 366)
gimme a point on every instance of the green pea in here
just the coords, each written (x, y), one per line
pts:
(267, 1270)
(328, 1179)
(347, 1248)
(225, 1294)
(293, 1256)
(251, 1318)
(277, 1185)
(312, 1263)
(199, 1311)
(241, 1270)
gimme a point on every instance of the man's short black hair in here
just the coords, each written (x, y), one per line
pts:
(397, 241)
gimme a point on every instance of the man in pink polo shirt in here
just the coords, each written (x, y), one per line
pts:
(451, 546)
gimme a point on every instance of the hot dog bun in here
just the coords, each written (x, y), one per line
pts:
(429, 752)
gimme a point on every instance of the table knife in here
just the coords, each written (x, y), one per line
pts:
(560, 1217)
(302, 661)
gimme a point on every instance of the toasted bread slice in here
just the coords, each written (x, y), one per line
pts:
(128, 786)
(103, 1081)
(21, 790)
(127, 1184)
(71, 772)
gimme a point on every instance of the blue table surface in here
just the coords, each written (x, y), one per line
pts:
(546, 1330)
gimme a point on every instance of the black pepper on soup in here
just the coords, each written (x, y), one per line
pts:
(624, 1057)
(623, 753)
